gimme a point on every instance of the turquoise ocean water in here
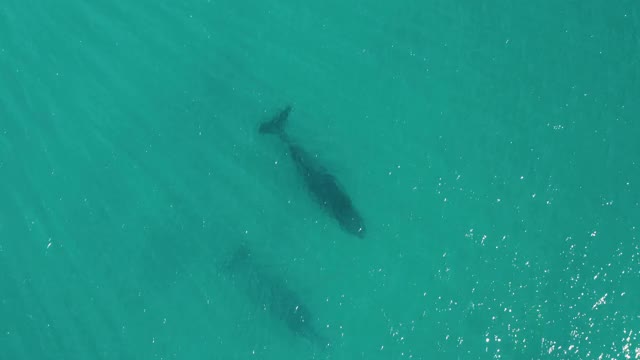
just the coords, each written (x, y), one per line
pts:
(491, 147)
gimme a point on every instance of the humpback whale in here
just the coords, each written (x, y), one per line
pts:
(323, 186)
(272, 293)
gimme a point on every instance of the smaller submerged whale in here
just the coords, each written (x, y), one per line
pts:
(323, 186)
(272, 293)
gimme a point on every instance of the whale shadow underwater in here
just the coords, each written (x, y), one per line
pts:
(271, 293)
(323, 187)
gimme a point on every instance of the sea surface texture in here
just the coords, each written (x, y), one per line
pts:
(491, 150)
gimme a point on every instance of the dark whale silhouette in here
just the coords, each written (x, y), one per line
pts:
(272, 293)
(323, 186)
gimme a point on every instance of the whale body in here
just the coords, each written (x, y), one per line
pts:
(272, 294)
(323, 186)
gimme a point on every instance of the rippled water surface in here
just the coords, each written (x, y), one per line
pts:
(491, 149)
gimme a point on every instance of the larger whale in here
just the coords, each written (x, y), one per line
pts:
(323, 186)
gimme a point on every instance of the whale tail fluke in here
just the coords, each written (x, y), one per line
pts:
(277, 123)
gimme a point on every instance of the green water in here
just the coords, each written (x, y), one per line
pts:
(491, 147)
